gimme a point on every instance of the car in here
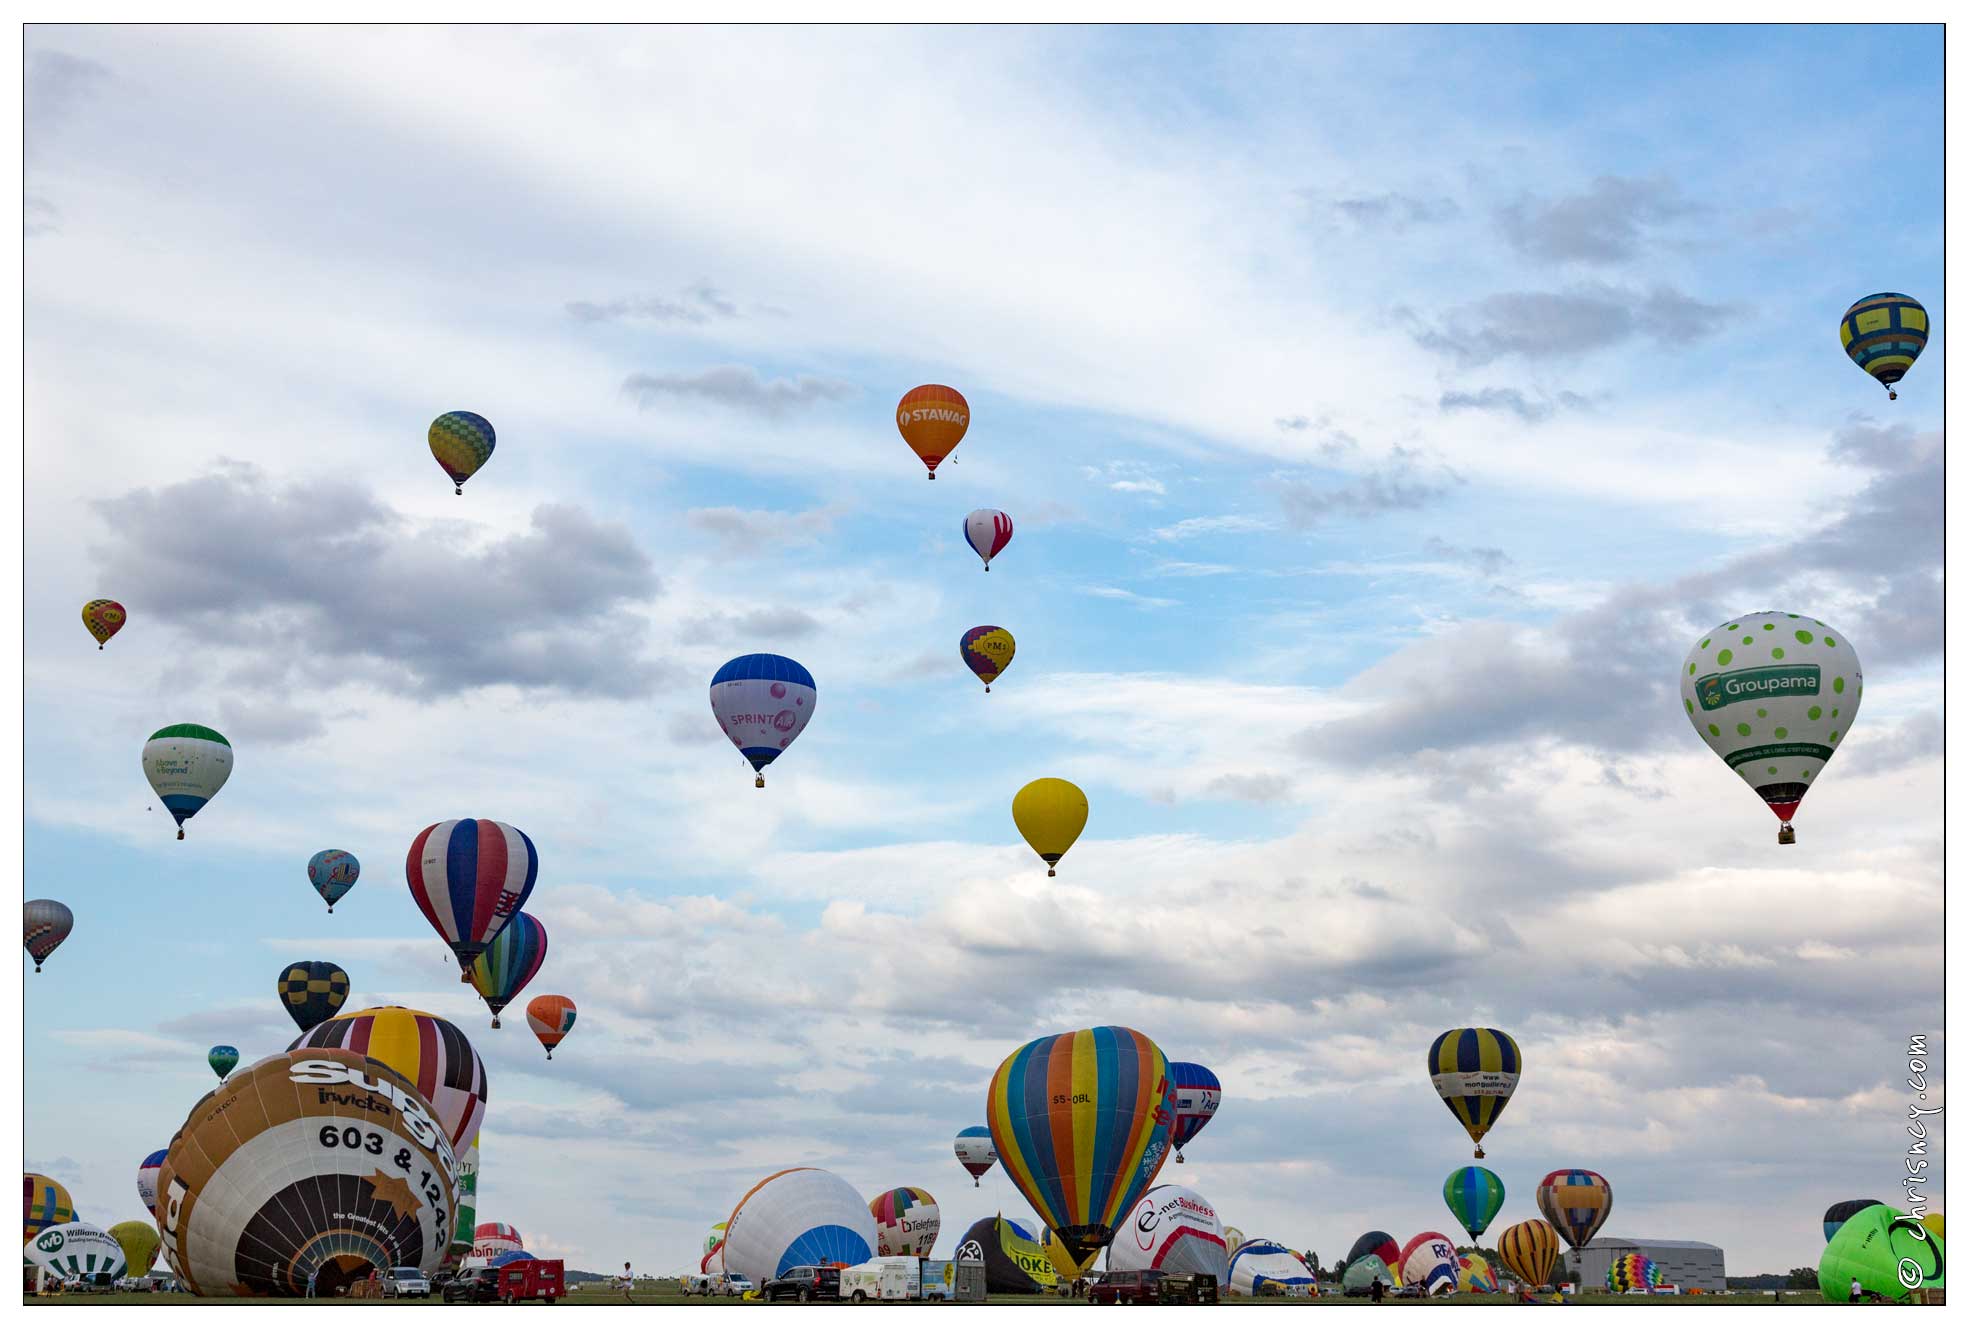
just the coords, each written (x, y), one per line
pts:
(717, 1285)
(473, 1285)
(1135, 1287)
(804, 1282)
(406, 1283)
(1187, 1290)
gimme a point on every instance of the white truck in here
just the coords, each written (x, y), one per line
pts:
(895, 1278)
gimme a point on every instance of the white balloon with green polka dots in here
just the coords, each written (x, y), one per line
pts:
(1773, 694)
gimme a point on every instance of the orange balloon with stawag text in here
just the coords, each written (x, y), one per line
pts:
(933, 419)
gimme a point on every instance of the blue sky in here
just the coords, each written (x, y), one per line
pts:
(1383, 411)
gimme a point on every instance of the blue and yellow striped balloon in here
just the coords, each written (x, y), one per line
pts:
(1082, 1123)
(1883, 333)
(462, 442)
(1475, 1072)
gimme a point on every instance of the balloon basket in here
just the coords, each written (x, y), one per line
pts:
(37, 967)
(1179, 1157)
(459, 490)
(1051, 873)
(758, 782)
(1786, 835)
(495, 1022)
(1480, 1153)
(550, 1054)
(181, 832)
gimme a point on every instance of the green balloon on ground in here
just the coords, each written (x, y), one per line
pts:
(1891, 1254)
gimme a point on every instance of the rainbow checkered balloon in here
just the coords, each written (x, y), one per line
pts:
(1633, 1272)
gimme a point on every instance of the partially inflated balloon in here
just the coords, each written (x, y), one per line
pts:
(1772, 694)
(1475, 1072)
(1474, 1195)
(437, 1059)
(1429, 1262)
(976, 1151)
(1366, 1271)
(311, 991)
(462, 442)
(75, 1250)
(139, 1243)
(332, 872)
(906, 1222)
(799, 1216)
(187, 764)
(1883, 333)
(1050, 814)
(45, 925)
(986, 651)
(1894, 1257)
(1837, 1214)
(1172, 1229)
(309, 1170)
(508, 964)
(1575, 1202)
(1474, 1274)
(1082, 1124)
(762, 702)
(492, 1240)
(1197, 1096)
(470, 878)
(1262, 1268)
(104, 619)
(933, 419)
(1378, 1245)
(46, 1203)
(714, 1246)
(551, 1017)
(987, 531)
(1529, 1250)
(222, 1059)
(1633, 1272)
(147, 1180)
(466, 1223)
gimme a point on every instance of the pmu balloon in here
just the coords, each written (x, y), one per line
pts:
(1050, 814)
(46, 1203)
(1894, 1257)
(799, 1216)
(1836, 1215)
(310, 1170)
(1883, 333)
(1082, 1123)
(509, 962)
(462, 442)
(432, 1054)
(1474, 1195)
(104, 619)
(987, 531)
(311, 991)
(138, 1242)
(1772, 693)
(332, 872)
(45, 924)
(1475, 1072)
(1575, 1202)
(147, 1180)
(933, 419)
(187, 765)
(470, 878)
(1173, 1229)
(1529, 1250)
(906, 1221)
(975, 1151)
(986, 652)
(222, 1059)
(1197, 1095)
(762, 702)
(551, 1017)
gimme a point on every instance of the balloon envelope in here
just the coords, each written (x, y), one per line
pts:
(1475, 1072)
(763, 703)
(932, 419)
(906, 1221)
(550, 1016)
(1529, 1250)
(104, 619)
(139, 1242)
(509, 962)
(45, 925)
(1260, 1267)
(797, 1216)
(1050, 814)
(1197, 1095)
(222, 1059)
(1377, 1243)
(461, 441)
(1429, 1262)
(431, 1053)
(492, 1240)
(466, 1224)
(1891, 1253)
(987, 531)
(75, 1250)
(311, 991)
(986, 652)
(1173, 1229)
(714, 1244)
(1015, 1264)
(1633, 1272)
(147, 1180)
(469, 878)
(332, 872)
(46, 1202)
(1365, 1270)
(1575, 1202)
(975, 1151)
(1883, 333)
(1474, 1274)
(1474, 1195)
(1837, 1214)
(187, 765)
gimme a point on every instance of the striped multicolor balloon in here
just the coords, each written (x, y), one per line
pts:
(906, 1221)
(550, 1016)
(505, 967)
(1082, 1123)
(470, 878)
(1883, 333)
(429, 1052)
(1475, 1072)
(1529, 1250)
(1474, 1195)
(1575, 1202)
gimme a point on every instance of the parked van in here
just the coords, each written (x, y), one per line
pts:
(895, 1278)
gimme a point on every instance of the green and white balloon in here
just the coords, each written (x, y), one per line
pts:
(1773, 694)
(186, 765)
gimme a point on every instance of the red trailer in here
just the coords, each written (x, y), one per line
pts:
(532, 1280)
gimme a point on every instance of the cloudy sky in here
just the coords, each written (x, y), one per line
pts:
(1383, 413)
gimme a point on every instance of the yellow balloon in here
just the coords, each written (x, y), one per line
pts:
(1933, 1222)
(1051, 815)
(139, 1242)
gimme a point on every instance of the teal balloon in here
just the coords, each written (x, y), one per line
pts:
(1474, 1195)
(1894, 1257)
(222, 1059)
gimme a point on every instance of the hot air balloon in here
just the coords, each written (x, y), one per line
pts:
(1261, 1268)
(906, 1222)
(104, 619)
(1836, 1215)
(309, 1171)
(430, 1053)
(187, 765)
(1082, 1123)
(1364, 1272)
(75, 1250)
(1197, 1097)
(976, 1151)
(987, 652)
(1173, 1229)
(1015, 1264)
(138, 1242)
(1474, 1195)
(1475, 1072)
(332, 872)
(1233, 1238)
(1474, 1274)
(1894, 1257)
(1379, 1248)
(1575, 1202)
(1529, 1250)
(1772, 693)
(800, 1215)
(762, 702)
(933, 419)
(1633, 1272)
(508, 964)
(47, 1203)
(466, 1223)
(987, 531)
(1884, 333)
(492, 1240)
(45, 925)
(462, 442)
(714, 1245)
(147, 1180)
(1050, 814)
(311, 991)
(222, 1059)
(470, 878)
(550, 1016)
(1932, 1220)
(1429, 1262)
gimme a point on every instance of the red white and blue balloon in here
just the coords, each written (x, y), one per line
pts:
(470, 878)
(987, 531)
